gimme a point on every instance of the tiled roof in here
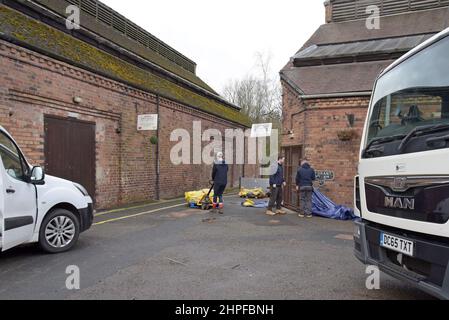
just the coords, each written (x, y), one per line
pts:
(109, 24)
(337, 78)
(357, 51)
(24, 30)
(329, 62)
(412, 23)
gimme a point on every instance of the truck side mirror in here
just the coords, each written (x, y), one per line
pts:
(37, 175)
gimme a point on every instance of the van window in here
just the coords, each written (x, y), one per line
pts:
(14, 165)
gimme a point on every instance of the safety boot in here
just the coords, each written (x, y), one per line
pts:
(281, 212)
(270, 213)
(214, 209)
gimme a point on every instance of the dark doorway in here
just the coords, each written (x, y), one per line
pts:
(293, 157)
(70, 151)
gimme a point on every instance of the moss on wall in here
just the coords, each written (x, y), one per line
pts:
(60, 44)
(104, 30)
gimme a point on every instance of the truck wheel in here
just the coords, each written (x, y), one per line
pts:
(59, 231)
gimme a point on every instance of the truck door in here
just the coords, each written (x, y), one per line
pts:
(17, 197)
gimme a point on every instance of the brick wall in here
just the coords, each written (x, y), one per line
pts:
(33, 85)
(315, 124)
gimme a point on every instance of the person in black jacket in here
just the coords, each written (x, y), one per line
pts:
(277, 183)
(304, 184)
(220, 178)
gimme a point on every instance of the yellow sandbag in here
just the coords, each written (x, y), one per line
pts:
(197, 196)
(193, 196)
(252, 193)
(248, 203)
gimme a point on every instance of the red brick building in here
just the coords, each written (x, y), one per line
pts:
(71, 99)
(327, 84)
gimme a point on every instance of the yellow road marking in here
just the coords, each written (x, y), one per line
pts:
(142, 213)
(146, 205)
(135, 207)
(138, 214)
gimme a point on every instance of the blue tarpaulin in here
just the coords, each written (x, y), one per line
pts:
(324, 207)
(321, 206)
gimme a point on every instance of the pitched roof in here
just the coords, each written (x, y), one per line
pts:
(357, 51)
(405, 24)
(337, 78)
(350, 51)
(109, 24)
(24, 30)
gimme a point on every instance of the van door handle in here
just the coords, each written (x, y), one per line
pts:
(10, 191)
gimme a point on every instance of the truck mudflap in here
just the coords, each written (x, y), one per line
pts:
(428, 268)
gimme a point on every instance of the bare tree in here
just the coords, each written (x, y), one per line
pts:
(259, 94)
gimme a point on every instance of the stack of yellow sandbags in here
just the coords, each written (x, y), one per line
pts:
(257, 193)
(194, 198)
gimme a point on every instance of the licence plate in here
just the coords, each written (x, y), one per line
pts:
(397, 244)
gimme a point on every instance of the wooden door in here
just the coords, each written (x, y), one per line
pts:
(70, 151)
(293, 157)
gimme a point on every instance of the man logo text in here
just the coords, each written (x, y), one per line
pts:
(400, 203)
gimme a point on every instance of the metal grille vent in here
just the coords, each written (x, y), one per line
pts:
(119, 23)
(345, 10)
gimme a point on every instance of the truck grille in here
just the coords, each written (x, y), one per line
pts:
(423, 199)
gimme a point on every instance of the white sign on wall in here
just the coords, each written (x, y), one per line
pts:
(147, 122)
(261, 130)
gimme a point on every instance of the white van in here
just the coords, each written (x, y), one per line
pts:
(35, 208)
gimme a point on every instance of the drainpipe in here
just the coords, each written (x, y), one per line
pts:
(158, 163)
(244, 162)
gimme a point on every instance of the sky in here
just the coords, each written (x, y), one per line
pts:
(224, 37)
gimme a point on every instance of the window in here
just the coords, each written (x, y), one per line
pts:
(399, 113)
(412, 95)
(13, 162)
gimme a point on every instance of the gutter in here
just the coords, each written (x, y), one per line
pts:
(158, 150)
(337, 95)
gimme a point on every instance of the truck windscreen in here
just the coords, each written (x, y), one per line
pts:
(411, 96)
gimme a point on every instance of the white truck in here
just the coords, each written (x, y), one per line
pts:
(35, 208)
(402, 188)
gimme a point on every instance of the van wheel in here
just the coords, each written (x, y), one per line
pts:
(59, 231)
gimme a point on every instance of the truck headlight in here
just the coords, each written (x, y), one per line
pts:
(81, 189)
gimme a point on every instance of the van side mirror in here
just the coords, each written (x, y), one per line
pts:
(37, 176)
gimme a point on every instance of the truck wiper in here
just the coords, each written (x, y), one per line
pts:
(379, 141)
(421, 129)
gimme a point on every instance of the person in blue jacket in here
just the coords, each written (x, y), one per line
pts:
(277, 183)
(304, 184)
(220, 178)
